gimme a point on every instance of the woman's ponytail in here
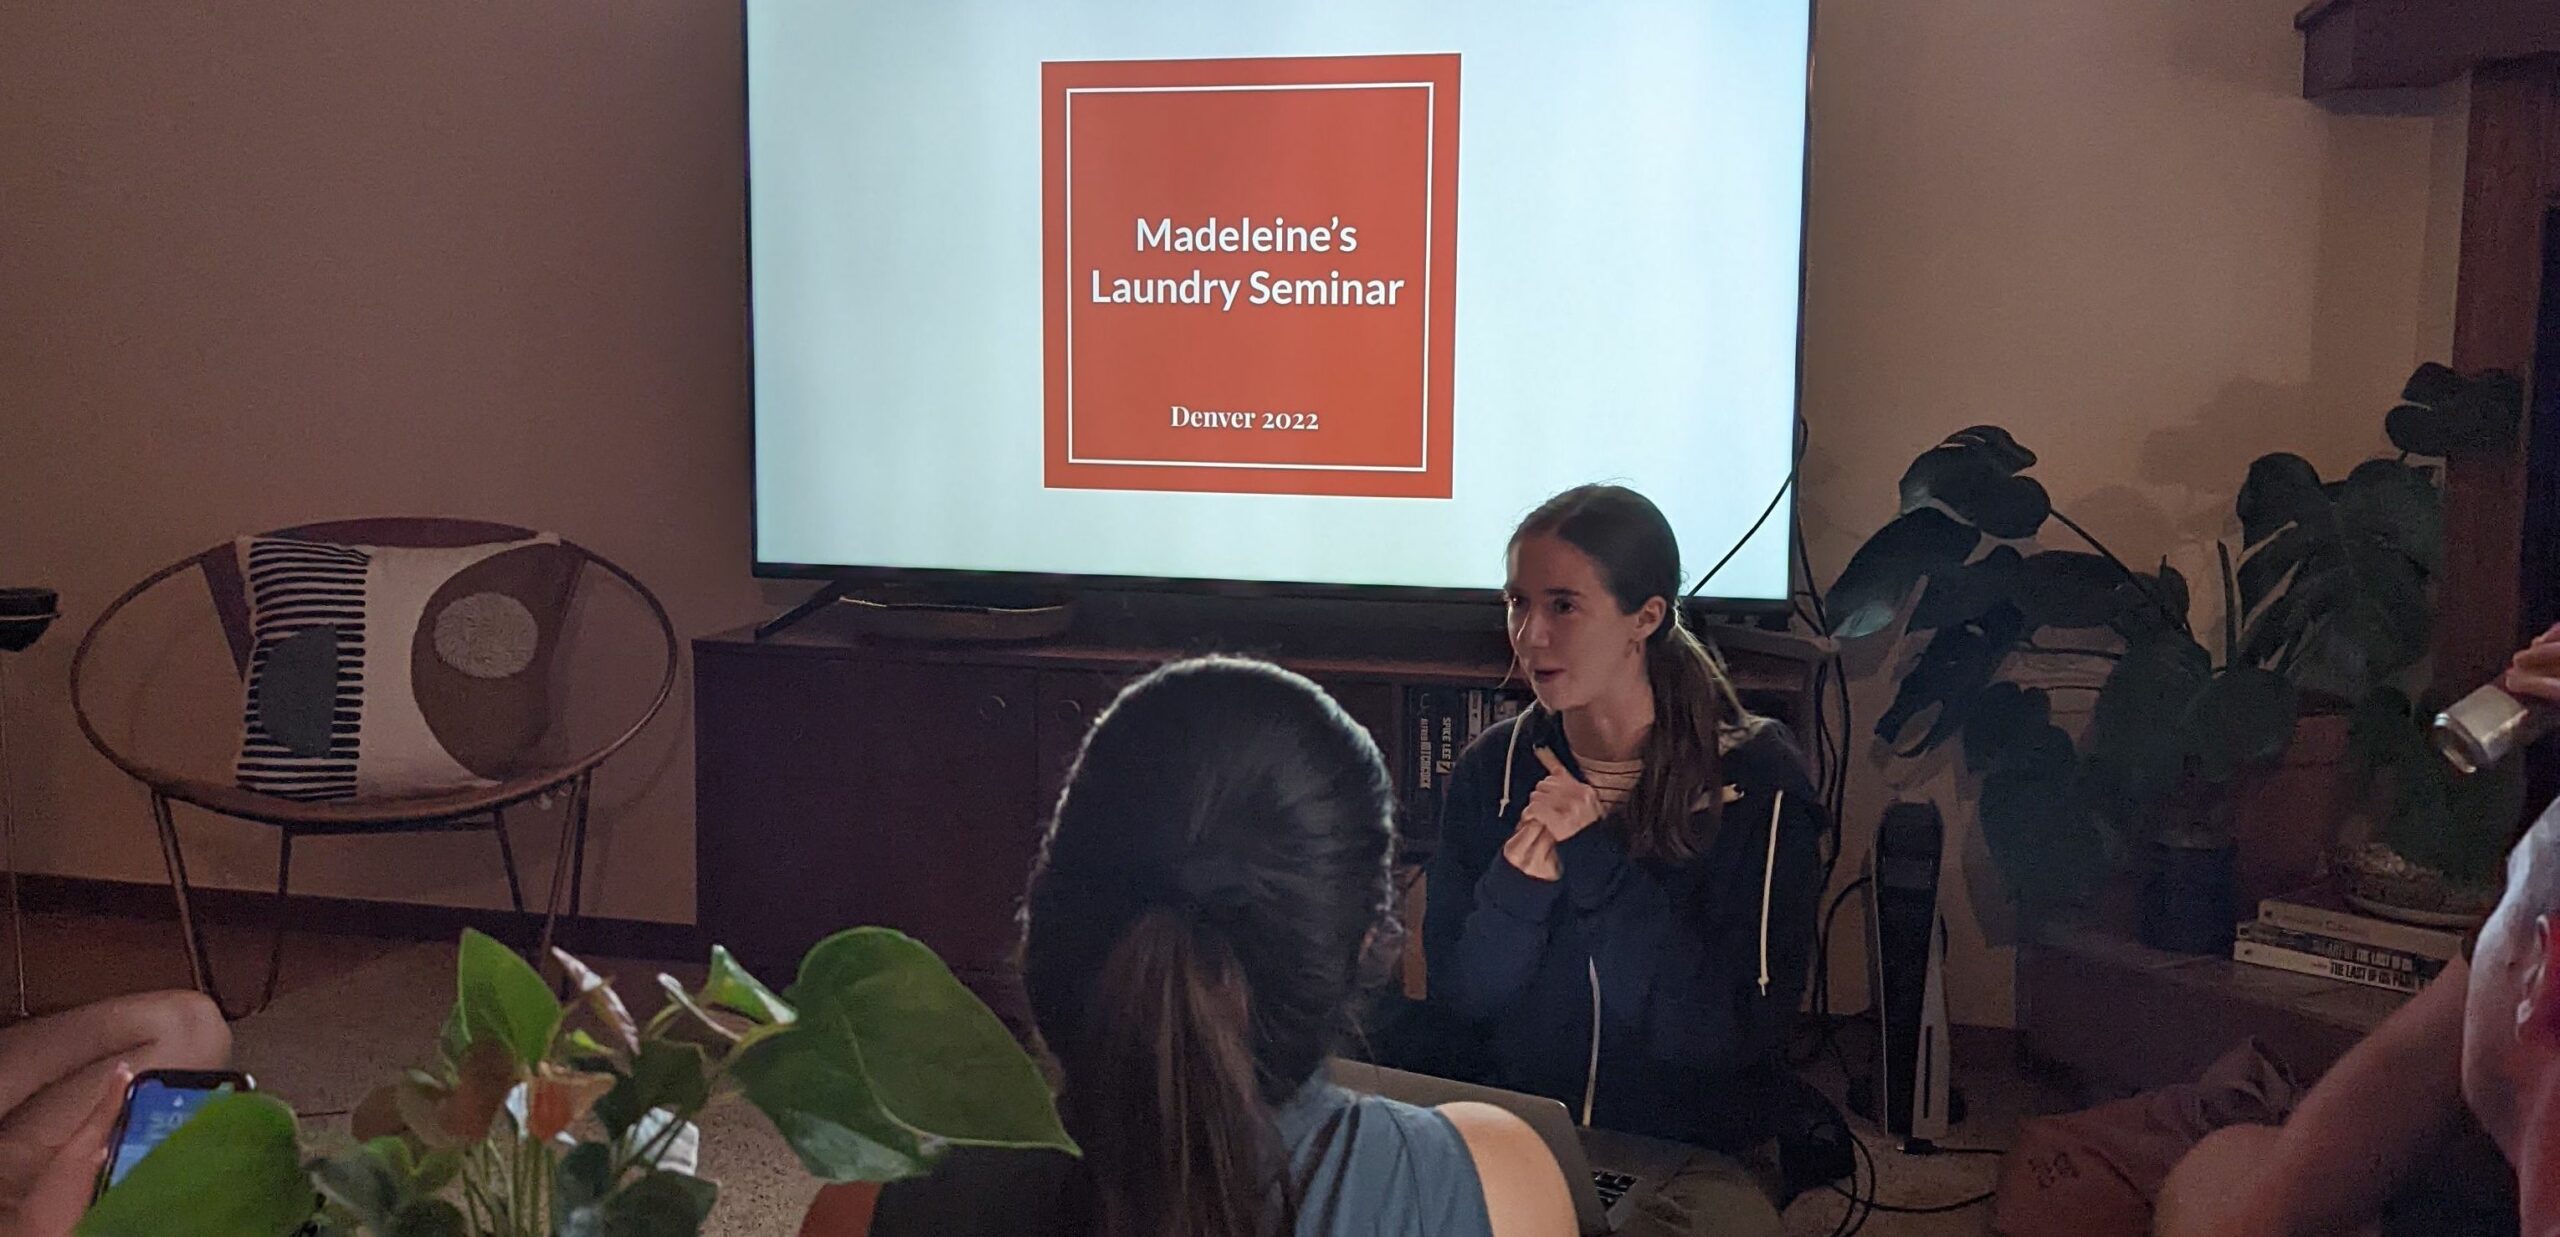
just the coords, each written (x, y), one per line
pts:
(1166, 1102)
(1192, 936)
(1683, 760)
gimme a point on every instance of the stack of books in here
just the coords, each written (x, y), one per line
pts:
(2317, 933)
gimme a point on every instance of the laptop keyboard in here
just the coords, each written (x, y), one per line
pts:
(1611, 1186)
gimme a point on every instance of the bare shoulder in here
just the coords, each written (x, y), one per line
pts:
(1524, 1191)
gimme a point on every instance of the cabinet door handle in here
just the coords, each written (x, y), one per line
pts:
(992, 708)
(1071, 711)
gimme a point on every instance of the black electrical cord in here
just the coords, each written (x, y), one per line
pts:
(1754, 531)
(1856, 1214)
(1795, 459)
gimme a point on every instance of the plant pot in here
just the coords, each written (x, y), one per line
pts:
(2190, 901)
(2287, 819)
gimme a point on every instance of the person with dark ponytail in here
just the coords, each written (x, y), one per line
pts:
(1212, 896)
(1622, 901)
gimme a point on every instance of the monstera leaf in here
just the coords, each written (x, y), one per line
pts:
(2135, 744)
(2243, 719)
(2003, 715)
(2037, 823)
(2335, 576)
(1954, 668)
(2442, 413)
(1871, 588)
(1964, 593)
(2069, 588)
(1974, 475)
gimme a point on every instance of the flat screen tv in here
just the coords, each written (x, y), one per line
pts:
(1316, 296)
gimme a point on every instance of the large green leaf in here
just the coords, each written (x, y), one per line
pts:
(938, 1058)
(504, 999)
(2443, 414)
(660, 1204)
(2336, 581)
(2265, 571)
(667, 1074)
(2036, 825)
(2381, 733)
(1960, 594)
(2070, 588)
(2394, 506)
(372, 1180)
(2002, 715)
(1952, 669)
(2135, 741)
(2243, 719)
(809, 1081)
(1871, 589)
(233, 1170)
(584, 1176)
(2169, 587)
(2282, 488)
(1974, 474)
(730, 987)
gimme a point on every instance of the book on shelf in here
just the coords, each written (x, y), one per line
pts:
(2277, 957)
(2322, 912)
(2420, 965)
(1439, 722)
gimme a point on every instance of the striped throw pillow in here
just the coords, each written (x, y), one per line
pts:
(379, 672)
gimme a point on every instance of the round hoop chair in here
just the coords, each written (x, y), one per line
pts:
(568, 775)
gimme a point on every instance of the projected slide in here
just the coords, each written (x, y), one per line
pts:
(1293, 292)
(1245, 255)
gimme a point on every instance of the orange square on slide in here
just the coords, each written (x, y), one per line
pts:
(1251, 268)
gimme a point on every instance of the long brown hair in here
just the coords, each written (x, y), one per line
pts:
(1631, 543)
(1195, 931)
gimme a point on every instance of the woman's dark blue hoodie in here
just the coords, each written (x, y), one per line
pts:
(1692, 970)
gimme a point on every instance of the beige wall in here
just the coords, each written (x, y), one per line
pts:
(272, 262)
(2116, 229)
(267, 263)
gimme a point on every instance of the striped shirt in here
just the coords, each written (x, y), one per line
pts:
(1614, 780)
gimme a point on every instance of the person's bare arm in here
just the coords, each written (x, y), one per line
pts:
(2355, 1135)
(1524, 1191)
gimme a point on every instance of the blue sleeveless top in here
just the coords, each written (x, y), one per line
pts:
(1364, 1166)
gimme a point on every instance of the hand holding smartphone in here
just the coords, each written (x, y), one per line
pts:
(158, 1102)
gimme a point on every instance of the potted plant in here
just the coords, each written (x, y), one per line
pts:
(2437, 858)
(2326, 601)
(539, 1119)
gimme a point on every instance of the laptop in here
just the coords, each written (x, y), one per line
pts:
(1608, 1173)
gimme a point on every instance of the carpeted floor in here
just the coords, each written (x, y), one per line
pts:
(325, 1044)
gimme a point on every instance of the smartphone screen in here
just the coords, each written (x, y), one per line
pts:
(154, 1109)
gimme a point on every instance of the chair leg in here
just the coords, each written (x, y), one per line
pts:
(578, 852)
(572, 835)
(190, 933)
(277, 915)
(507, 856)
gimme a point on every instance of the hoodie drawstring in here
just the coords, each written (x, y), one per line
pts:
(1591, 1079)
(1768, 878)
(1510, 750)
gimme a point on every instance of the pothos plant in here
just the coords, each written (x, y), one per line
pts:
(2326, 602)
(544, 1119)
